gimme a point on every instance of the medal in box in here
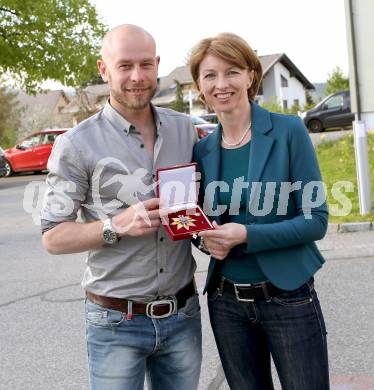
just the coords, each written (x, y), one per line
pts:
(177, 190)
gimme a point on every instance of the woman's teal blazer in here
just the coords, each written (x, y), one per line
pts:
(282, 158)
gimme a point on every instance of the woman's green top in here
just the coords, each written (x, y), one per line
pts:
(239, 268)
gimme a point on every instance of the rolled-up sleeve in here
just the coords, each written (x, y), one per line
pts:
(67, 184)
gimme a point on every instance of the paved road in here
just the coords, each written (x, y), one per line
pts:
(42, 335)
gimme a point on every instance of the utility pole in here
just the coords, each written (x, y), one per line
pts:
(359, 29)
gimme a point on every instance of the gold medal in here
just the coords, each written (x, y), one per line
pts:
(183, 221)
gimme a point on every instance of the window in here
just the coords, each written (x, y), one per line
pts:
(334, 102)
(49, 138)
(285, 105)
(31, 141)
(284, 82)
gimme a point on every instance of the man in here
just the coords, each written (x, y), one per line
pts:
(142, 310)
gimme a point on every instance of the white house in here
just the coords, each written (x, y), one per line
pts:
(283, 81)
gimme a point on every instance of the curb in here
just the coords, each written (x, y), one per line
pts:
(350, 227)
(320, 138)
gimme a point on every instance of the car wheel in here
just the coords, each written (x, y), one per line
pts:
(315, 126)
(9, 170)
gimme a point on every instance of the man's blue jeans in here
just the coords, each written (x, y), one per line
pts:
(121, 351)
(290, 327)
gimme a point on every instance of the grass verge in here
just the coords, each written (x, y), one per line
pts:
(337, 163)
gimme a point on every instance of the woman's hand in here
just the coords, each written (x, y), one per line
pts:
(223, 238)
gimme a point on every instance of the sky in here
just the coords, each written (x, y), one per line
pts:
(311, 33)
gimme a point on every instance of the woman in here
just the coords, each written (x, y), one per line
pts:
(261, 185)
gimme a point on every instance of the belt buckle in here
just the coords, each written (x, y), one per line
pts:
(149, 311)
(236, 285)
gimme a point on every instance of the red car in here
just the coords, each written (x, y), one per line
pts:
(203, 127)
(32, 153)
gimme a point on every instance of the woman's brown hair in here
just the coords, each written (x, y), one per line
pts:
(231, 48)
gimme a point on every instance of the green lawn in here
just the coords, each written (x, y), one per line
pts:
(337, 163)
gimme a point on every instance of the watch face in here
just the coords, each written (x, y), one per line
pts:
(109, 236)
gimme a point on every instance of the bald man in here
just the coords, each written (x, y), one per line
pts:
(142, 309)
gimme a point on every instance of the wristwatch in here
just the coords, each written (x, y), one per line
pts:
(110, 236)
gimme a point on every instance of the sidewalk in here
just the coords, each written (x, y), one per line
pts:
(350, 227)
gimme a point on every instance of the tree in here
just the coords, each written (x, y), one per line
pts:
(178, 104)
(50, 39)
(310, 103)
(9, 117)
(336, 82)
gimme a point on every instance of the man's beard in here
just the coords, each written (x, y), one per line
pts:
(135, 102)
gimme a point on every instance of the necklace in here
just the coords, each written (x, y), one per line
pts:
(241, 139)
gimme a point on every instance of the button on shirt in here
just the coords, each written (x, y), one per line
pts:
(101, 167)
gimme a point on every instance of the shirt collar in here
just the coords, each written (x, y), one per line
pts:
(120, 122)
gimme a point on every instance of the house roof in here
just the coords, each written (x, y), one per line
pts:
(98, 89)
(167, 96)
(91, 98)
(47, 99)
(268, 61)
(183, 75)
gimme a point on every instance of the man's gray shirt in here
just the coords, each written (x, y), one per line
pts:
(101, 167)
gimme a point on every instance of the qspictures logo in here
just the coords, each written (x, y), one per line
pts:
(62, 199)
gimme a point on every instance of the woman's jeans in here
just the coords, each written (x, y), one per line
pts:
(289, 327)
(121, 351)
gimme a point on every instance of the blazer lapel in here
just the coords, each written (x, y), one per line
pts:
(260, 149)
(211, 165)
(261, 144)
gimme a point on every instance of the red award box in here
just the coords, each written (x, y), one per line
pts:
(177, 190)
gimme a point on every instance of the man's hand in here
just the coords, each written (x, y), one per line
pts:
(139, 219)
(223, 238)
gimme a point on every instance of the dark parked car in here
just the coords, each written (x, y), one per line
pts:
(32, 153)
(333, 111)
(2, 163)
(202, 126)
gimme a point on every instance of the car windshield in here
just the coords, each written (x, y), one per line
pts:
(31, 141)
(196, 120)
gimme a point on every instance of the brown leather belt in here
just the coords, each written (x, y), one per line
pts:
(161, 308)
